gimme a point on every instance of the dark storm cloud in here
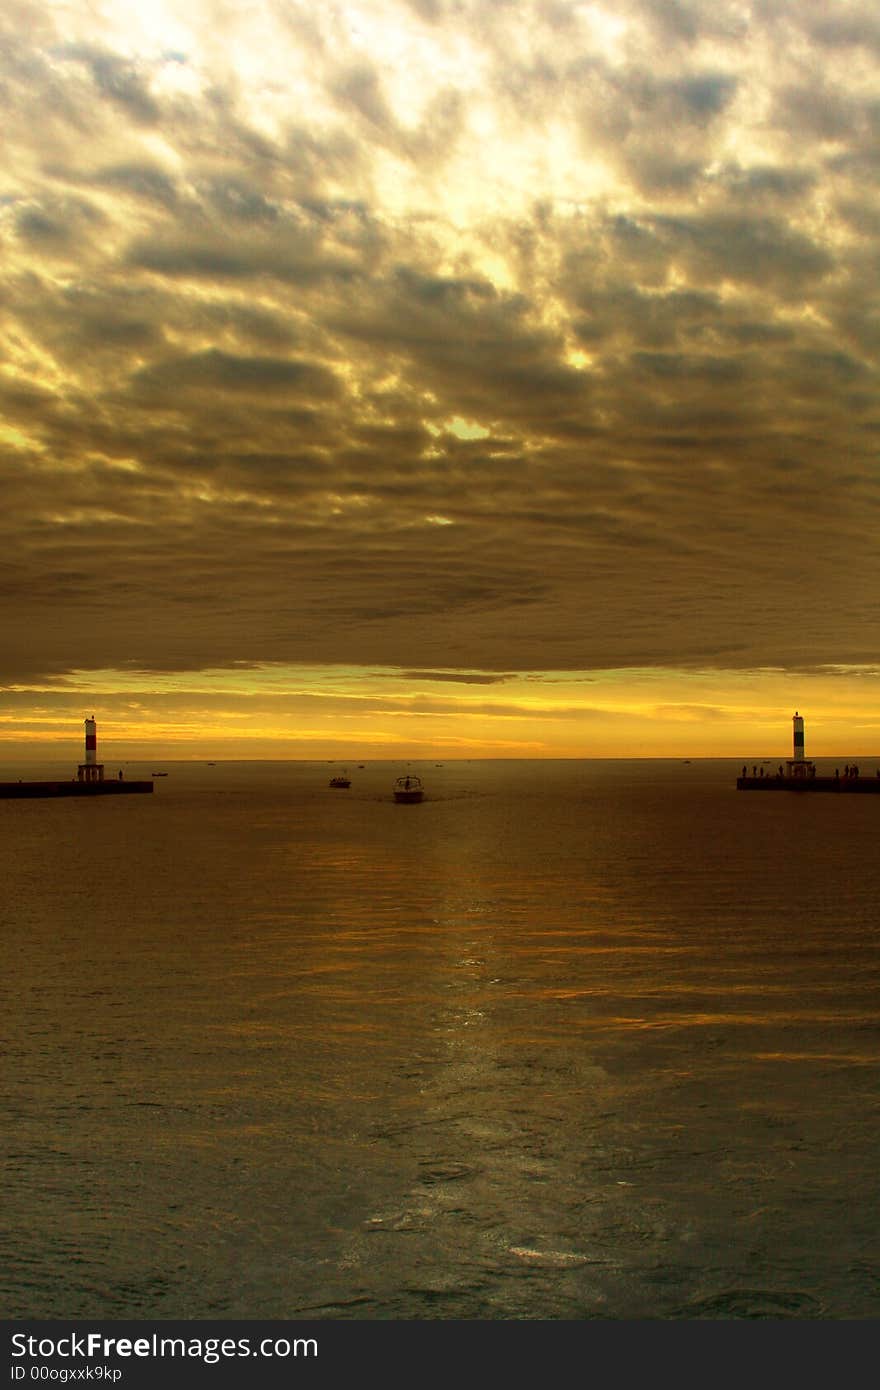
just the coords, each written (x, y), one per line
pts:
(141, 180)
(463, 337)
(691, 20)
(227, 258)
(216, 373)
(692, 100)
(848, 24)
(849, 27)
(58, 226)
(34, 225)
(77, 320)
(318, 365)
(762, 183)
(117, 80)
(821, 110)
(757, 250)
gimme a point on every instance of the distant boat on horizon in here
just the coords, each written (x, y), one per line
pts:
(340, 781)
(159, 774)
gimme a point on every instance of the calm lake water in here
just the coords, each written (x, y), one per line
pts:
(568, 1040)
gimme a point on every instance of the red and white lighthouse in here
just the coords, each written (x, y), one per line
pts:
(91, 770)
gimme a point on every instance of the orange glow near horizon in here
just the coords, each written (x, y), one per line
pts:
(305, 713)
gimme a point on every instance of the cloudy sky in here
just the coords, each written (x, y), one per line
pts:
(484, 377)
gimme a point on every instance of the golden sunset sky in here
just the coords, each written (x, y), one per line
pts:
(393, 378)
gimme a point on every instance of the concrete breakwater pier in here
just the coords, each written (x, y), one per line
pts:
(72, 788)
(89, 780)
(799, 774)
(777, 783)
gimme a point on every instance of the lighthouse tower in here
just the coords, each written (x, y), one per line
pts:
(798, 765)
(91, 770)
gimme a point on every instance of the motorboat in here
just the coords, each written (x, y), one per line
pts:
(340, 781)
(408, 788)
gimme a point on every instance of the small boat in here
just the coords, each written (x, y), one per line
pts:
(408, 788)
(340, 781)
(159, 774)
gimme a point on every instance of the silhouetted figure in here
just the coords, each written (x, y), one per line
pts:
(745, 774)
(837, 772)
(120, 774)
(755, 770)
